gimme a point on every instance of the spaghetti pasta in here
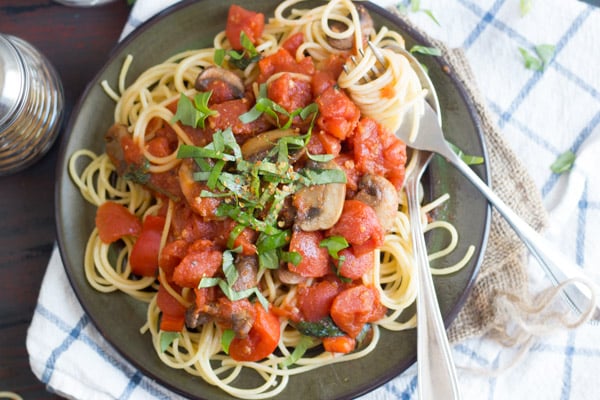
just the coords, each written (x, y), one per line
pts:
(200, 183)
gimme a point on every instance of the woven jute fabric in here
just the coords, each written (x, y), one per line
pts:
(504, 268)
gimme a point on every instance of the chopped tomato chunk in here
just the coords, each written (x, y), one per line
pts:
(262, 339)
(315, 301)
(241, 20)
(339, 344)
(338, 114)
(352, 308)
(292, 43)
(196, 266)
(114, 221)
(291, 94)
(315, 259)
(360, 226)
(173, 312)
(354, 266)
(283, 61)
(378, 151)
(145, 252)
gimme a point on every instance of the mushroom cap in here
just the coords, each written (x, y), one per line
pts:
(319, 207)
(257, 147)
(381, 195)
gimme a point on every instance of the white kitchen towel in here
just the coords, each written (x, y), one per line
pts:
(541, 114)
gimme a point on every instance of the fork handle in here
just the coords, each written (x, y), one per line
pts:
(436, 372)
(583, 293)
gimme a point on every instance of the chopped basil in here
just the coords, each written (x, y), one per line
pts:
(415, 6)
(538, 61)
(545, 52)
(525, 6)
(303, 344)
(467, 158)
(334, 244)
(166, 339)
(226, 339)
(323, 328)
(291, 257)
(430, 51)
(193, 114)
(264, 105)
(563, 162)
(239, 59)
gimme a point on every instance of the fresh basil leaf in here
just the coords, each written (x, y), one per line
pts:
(193, 114)
(261, 299)
(226, 339)
(539, 61)
(530, 60)
(229, 270)
(291, 257)
(189, 151)
(248, 45)
(251, 115)
(415, 5)
(186, 112)
(430, 51)
(429, 13)
(320, 157)
(563, 162)
(166, 339)
(208, 282)
(271, 242)
(525, 6)
(268, 259)
(323, 328)
(334, 244)
(303, 344)
(324, 176)
(219, 57)
(213, 175)
(468, 159)
(545, 52)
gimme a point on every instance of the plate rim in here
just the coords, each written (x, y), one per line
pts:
(62, 165)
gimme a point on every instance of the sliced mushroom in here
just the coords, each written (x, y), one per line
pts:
(191, 189)
(114, 149)
(318, 207)
(195, 317)
(366, 26)
(211, 75)
(381, 195)
(247, 268)
(289, 277)
(257, 147)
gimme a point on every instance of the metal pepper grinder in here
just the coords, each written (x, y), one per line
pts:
(31, 104)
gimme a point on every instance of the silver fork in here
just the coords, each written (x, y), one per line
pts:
(582, 294)
(436, 373)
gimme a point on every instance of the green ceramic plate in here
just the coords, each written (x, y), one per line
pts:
(193, 25)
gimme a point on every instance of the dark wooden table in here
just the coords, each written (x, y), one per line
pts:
(77, 41)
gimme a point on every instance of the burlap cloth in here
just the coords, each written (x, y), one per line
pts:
(504, 268)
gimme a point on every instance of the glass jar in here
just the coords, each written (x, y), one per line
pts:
(31, 104)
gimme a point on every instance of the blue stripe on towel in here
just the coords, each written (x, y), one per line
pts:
(72, 336)
(134, 381)
(581, 224)
(486, 19)
(131, 373)
(568, 371)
